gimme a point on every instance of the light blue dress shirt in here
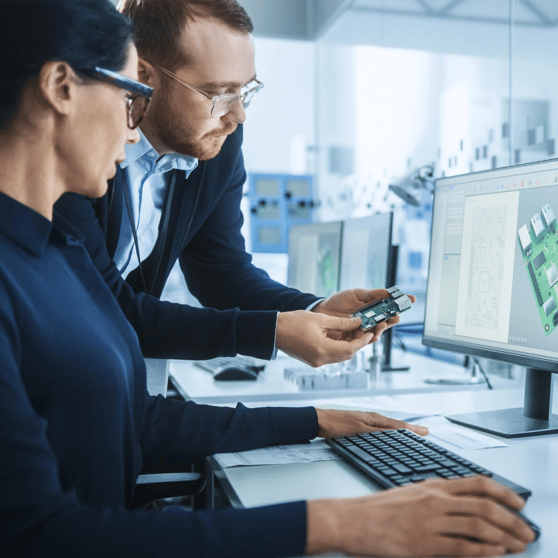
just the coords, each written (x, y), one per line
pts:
(147, 177)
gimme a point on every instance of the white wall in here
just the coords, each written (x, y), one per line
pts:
(284, 110)
(280, 123)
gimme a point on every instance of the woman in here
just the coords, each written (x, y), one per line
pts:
(76, 421)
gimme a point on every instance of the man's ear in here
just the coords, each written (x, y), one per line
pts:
(146, 73)
(57, 85)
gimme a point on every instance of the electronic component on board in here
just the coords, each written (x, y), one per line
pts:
(524, 238)
(537, 225)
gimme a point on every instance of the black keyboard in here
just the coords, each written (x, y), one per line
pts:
(238, 361)
(400, 457)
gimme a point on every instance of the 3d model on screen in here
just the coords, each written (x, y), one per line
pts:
(383, 310)
(539, 247)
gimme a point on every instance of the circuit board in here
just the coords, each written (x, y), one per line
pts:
(539, 247)
(373, 314)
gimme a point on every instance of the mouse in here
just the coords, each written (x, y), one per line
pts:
(230, 372)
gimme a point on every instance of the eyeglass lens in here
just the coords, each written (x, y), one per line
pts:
(137, 108)
(226, 102)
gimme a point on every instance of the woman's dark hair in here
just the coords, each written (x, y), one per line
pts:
(33, 32)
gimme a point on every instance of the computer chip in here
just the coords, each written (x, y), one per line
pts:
(552, 275)
(539, 260)
(549, 306)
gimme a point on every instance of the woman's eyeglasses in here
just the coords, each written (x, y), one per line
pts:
(137, 104)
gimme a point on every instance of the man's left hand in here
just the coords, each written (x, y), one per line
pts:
(334, 423)
(345, 303)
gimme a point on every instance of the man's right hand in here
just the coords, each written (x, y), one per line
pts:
(319, 339)
(463, 517)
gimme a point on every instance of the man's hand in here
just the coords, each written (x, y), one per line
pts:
(334, 423)
(345, 303)
(318, 339)
(462, 517)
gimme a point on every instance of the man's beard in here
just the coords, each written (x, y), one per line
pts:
(180, 138)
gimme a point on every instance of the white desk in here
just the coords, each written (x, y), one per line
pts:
(194, 383)
(532, 462)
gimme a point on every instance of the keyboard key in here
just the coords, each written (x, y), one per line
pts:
(425, 468)
(402, 469)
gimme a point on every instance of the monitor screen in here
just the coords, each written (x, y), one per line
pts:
(314, 257)
(365, 252)
(493, 274)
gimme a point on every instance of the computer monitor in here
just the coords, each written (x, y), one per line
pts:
(314, 257)
(365, 252)
(369, 261)
(492, 286)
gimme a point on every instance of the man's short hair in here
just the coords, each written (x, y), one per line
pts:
(159, 23)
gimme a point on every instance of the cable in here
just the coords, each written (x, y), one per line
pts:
(476, 361)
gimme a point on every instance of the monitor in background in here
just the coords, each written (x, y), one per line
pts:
(493, 283)
(365, 252)
(369, 261)
(314, 257)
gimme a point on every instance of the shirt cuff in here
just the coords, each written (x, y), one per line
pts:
(274, 353)
(314, 304)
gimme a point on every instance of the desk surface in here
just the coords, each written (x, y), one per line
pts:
(194, 383)
(528, 461)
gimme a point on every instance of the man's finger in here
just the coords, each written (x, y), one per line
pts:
(483, 486)
(341, 324)
(343, 349)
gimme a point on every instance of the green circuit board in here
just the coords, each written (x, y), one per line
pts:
(541, 265)
(382, 310)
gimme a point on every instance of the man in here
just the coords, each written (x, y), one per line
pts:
(177, 196)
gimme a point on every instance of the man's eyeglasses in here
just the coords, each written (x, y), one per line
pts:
(137, 105)
(221, 104)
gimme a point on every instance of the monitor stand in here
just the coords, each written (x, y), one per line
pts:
(388, 365)
(387, 337)
(534, 419)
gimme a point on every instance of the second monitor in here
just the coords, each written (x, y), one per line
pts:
(314, 258)
(369, 261)
(327, 257)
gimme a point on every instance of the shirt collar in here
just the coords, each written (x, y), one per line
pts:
(31, 230)
(144, 150)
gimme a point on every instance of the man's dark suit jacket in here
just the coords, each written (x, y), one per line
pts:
(240, 301)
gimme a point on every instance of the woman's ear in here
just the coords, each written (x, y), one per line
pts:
(58, 86)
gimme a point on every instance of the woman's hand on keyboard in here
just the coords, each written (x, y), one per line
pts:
(334, 423)
(472, 516)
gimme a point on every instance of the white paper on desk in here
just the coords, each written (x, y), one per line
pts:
(454, 437)
(380, 404)
(278, 455)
